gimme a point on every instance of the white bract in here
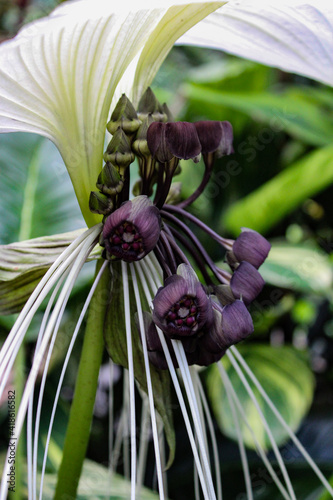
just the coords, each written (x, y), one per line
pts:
(61, 74)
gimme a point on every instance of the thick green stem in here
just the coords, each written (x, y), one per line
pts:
(78, 430)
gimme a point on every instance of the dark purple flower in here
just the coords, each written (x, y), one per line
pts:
(251, 247)
(246, 282)
(215, 137)
(232, 324)
(133, 230)
(173, 139)
(237, 323)
(181, 307)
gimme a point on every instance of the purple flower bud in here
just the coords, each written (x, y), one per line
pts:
(181, 307)
(215, 137)
(236, 322)
(154, 346)
(232, 324)
(173, 139)
(251, 247)
(132, 230)
(246, 282)
(157, 142)
(202, 357)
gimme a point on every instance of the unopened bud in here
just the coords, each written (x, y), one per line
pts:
(140, 145)
(119, 151)
(124, 116)
(100, 203)
(109, 180)
(149, 105)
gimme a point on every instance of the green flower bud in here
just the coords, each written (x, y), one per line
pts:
(100, 203)
(137, 188)
(109, 180)
(149, 105)
(140, 145)
(124, 116)
(119, 151)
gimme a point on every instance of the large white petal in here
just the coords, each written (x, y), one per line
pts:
(294, 35)
(58, 76)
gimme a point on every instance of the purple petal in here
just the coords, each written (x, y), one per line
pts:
(182, 140)
(206, 358)
(236, 322)
(188, 273)
(205, 316)
(212, 340)
(166, 298)
(251, 247)
(210, 135)
(157, 143)
(116, 218)
(246, 282)
(225, 147)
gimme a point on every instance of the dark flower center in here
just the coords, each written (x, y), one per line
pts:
(185, 312)
(125, 239)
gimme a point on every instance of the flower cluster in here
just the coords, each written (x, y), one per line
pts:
(207, 318)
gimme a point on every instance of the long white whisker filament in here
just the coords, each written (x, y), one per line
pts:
(41, 391)
(149, 382)
(144, 441)
(111, 405)
(284, 424)
(17, 334)
(194, 379)
(64, 367)
(131, 376)
(259, 448)
(212, 436)
(38, 358)
(127, 426)
(184, 369)
(241, 446)
(46, 284)
(265, 424)
(173, 375)
(120, 435)
(30, 446)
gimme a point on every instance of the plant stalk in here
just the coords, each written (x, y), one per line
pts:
(81, 413)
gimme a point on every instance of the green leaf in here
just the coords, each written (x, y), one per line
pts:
(298, 267)
(23, 264)
(285, 377)
(289, 111)
(265, 207)
(116, 345)
(97, 484)
(36, 193)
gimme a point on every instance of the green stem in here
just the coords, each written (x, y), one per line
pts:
(81, 413)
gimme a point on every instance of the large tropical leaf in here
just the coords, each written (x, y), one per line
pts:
(299, 268)
(268, 204)
(36, 195)
(287, 380)
(96, 484)
(292, 111)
